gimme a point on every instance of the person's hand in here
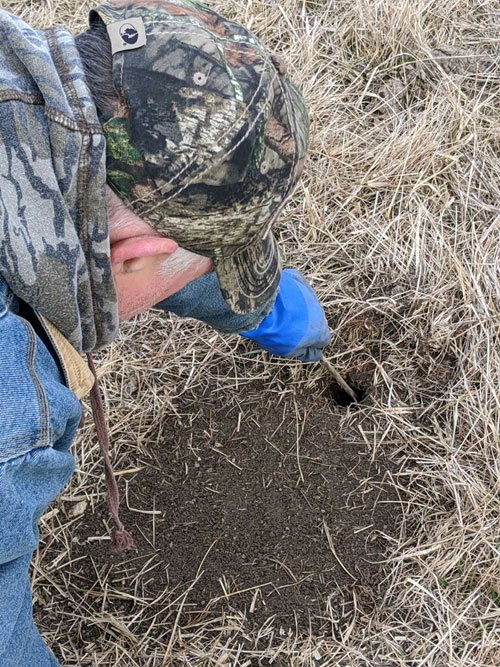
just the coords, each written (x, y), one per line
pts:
(296, 327)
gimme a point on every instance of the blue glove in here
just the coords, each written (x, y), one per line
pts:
(296, 326)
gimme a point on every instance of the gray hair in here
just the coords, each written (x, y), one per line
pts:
(179, 261)
(94, 48)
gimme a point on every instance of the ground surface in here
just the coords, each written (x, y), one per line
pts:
(277, 515)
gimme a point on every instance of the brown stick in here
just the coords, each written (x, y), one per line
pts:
(338, 378)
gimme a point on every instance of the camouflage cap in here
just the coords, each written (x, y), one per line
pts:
(209, 138)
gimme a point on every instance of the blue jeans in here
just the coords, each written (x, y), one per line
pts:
(38, 420)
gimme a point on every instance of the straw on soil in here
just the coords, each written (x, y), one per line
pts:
(396, 224)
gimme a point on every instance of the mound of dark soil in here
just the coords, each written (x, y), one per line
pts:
(263, 508)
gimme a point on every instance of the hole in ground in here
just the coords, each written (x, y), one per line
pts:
(340, 397)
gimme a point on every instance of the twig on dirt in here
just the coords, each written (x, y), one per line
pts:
(129, 471)
(332, 549)
(338, 378)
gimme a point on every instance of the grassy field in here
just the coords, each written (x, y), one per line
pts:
(397, 225)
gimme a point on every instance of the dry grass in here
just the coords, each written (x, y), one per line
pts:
(397, 226)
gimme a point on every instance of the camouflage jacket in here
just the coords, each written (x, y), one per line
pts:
(54, 245)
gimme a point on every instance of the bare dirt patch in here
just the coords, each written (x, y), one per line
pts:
(276, 514)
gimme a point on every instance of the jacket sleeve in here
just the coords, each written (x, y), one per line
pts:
(38, 419)
(203, 300)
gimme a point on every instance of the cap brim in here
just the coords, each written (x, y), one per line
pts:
(249, 278)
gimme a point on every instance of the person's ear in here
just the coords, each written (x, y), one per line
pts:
(134, 253)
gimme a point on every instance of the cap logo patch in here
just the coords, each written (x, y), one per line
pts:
(126, 35)
(129, 34)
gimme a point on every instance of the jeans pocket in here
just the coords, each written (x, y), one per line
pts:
(24, 415)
